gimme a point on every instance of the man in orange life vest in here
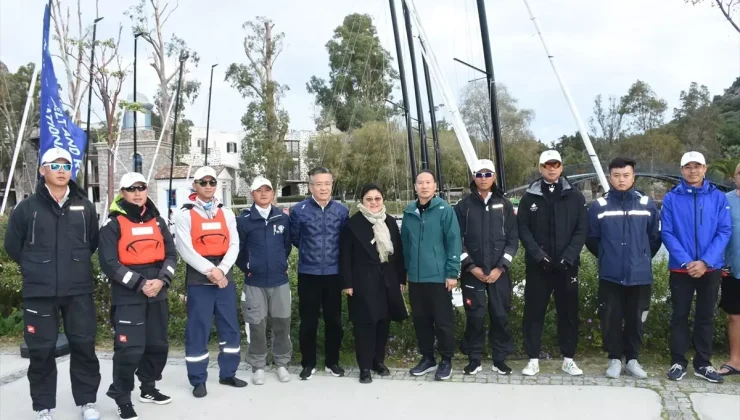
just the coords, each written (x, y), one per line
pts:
(138, 256)
(208, 242)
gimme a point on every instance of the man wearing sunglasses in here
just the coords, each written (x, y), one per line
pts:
(553, 224)
(52, 235)
(208, 242)
(138, 256)
(490, 241)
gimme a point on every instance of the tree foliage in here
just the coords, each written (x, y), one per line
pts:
(645, 110)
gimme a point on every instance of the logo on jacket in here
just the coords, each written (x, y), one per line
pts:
(278, 230)
(122, 338)
(533, 208)
(31, 329)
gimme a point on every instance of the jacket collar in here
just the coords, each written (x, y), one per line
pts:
(536, 187)
(254, 214)
(75, 192)
(615, 195)
(435, 202)
(495, 192)
(120, 207)
(684, 188)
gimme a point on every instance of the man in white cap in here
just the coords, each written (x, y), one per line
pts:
(553, 224)
(490, 241)
(265, 244)
(208, 242)
(52, 235)
(696, 228)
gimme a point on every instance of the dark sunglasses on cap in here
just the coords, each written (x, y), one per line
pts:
(484, 174)
(133, 188)
(57, 166)
(203, 182)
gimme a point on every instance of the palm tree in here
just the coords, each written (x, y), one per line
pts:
(723, 169)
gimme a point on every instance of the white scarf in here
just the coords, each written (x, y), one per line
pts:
(382, 235)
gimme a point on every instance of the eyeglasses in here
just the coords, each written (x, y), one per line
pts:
(484, 174)
(551, 165)
(204, 183)
(371, 199)
(134, 188)
(57, 166)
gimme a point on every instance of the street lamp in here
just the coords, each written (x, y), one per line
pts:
(208, 119)
(89, 108)
(137, 160)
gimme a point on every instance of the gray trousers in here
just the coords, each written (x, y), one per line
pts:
(257, 304)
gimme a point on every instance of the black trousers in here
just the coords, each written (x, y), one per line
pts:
(499, 304)
(683, 287)
(40, 318)
(370, 341)
(622, 312)
(433, 314)
(537, 291)
(140, 347)
(317, 295)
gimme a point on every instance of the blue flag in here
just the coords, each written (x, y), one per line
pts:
(56, 128)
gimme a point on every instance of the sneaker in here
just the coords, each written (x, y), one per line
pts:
(90, 412)
(532, 368)
(334, 370)
(200, 391)
(258, 377)
(233, 381)
(614, 371)
(44, 415)
(283, 374)
(154, 397)
(473, 367)
(444, 370)
(127, 412)
(425, 366)
(676, 372)
(501, 368)
(634, 369)
(569, 367)
(366, 376)
(381, 369)
(708, 373)
(307, 373)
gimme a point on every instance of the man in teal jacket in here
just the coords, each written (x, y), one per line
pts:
(431, 247)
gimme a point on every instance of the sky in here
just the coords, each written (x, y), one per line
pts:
(601, 47)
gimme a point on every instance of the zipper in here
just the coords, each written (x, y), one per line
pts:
(84, 227)
(503, 221)
(696, 232)
(33, 228)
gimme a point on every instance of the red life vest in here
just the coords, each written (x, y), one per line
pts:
(140, 243)
(210, 236)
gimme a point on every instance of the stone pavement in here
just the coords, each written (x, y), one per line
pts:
(398, 396)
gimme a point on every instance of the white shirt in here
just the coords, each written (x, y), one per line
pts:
(63, 200)
(265, 213)
(317, 202)
(487, 197)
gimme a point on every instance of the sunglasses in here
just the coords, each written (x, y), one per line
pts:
(375, 199)
(134, 188)
(57, 166)
(204, 183)
(484, 174)
(551, 165)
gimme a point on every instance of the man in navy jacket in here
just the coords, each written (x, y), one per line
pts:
(315, 226)
(624, 233)
(696, 230)
(264, 247)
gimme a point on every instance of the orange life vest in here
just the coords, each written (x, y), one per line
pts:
(140, 243)
(210, 236)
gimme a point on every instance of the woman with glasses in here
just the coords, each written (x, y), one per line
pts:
(373, 276)
(138, 256)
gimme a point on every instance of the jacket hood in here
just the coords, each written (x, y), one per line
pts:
(118, 206)
(536, 187)
(436, 201)
(684, 188)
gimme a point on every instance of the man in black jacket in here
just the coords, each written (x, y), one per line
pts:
(553, 224)
(490, 241)
(52, 235)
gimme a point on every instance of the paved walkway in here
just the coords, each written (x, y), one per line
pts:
(398, 396)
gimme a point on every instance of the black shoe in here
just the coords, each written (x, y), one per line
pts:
(200, 391)
(307, 373)
(676, 372)
(501, 368)
(381, 369)
(126, 412)
(473, 367)
(425, 366)
(334, 370)
(155, 397)
(233, 381)
(708, 373)
(444, 370)
(366, 376)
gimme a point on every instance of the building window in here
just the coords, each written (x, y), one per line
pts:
(138, 162)
(231, 147)
(202, 146)
(172, 195)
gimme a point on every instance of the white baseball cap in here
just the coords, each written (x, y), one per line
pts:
(689, 157)
(55, 153)
(549, 155)
(485, 164)
(204, 172)
(260, 181)
(132, 178)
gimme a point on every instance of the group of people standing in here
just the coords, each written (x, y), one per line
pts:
(53, 234)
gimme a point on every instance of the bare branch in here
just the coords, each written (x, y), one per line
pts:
(164, 21)
(727, 13)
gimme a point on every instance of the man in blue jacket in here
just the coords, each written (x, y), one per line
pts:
(624, 233)
(730, 301)
(315, 226)
(696, 230)
(264, 247)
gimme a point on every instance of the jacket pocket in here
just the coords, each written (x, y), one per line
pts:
(129, 325)
(81, 266)
(253, 305)
(40, 322)
(36, 268)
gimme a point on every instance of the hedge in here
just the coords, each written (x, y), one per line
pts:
(402, 344)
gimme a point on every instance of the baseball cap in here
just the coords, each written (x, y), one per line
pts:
(549, 155)
(132, 178)
(55, 153)
(204, 172)
(259, 182)
(689, 157)
(485, 164)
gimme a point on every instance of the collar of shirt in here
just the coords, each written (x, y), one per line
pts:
(487, 197)
(319, 204)
(63, 200)
(265, 213)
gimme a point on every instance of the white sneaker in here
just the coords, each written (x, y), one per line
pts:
(569, 367)
(283, 374)
(44, 415)
(258, 377)
(532, 368)
(90, 412)
(633, 368)
(615, 369)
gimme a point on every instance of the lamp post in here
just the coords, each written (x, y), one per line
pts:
(208, 118)
(183, 58)
(137, 161)
(89, 108)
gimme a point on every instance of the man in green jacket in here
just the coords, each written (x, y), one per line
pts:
(431, 247)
